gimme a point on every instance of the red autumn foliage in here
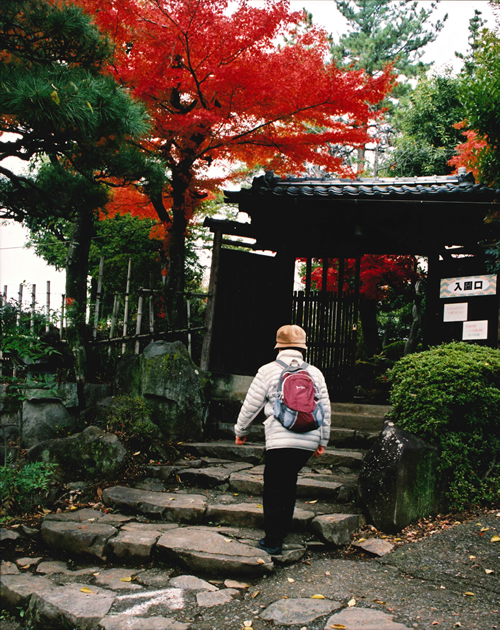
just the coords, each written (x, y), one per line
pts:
(378, 274)
(469, 151)
(223, 88)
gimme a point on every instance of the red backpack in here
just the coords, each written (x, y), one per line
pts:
(297, 404)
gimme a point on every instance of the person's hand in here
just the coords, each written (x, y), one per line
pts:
(319, 451)
(240, 440)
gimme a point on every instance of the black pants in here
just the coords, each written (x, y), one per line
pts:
(282, 465)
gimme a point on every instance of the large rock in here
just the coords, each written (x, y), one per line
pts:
(44, 420)
(172, 384)
(171, 506)
(167, 377)
(337, 529)
(69, 607)
(91, 454)
(200, 549)
(399, 482)
(75, 539)
(291, 612)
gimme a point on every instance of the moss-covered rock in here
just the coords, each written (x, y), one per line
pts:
(91, 454)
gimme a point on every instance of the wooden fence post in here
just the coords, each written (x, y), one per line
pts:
(47, 308)
(98, 296)
(63, 306)
(114, 317)
(139, 322)
(19, 304)
(127, 296)
(33, 304)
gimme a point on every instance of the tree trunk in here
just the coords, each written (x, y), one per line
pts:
(176, 283)
(77, 263)
(368, 316)
(416, 325)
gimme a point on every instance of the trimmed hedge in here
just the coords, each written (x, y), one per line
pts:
(450, 397)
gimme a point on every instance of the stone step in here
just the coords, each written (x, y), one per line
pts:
(253, 453)
(231, 550)
(339, 437)
(359, 417)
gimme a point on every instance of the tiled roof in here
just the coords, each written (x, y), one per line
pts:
(437, 187)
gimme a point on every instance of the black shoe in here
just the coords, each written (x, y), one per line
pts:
(272, 551)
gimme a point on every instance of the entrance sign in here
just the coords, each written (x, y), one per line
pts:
(455, 312)
(468, 286)
(475, 330)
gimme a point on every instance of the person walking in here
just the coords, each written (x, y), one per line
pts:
(286, 451)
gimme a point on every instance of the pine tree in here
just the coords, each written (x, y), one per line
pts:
(70, 125)
(383, 32)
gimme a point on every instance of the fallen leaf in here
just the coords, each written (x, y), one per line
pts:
(312, 502)
(469, 594)
(254, 595)
(472, 557)
(485, 529)
(291, 580)
(86, 590)
(260, 506)
(489, 571)
(337, 626)
(28, 566)
(351, 602)
(73, 507)
(362, 540)
(435, 623)
(495, 538)
(235, 494)
(317, 596)
(135, 454)
(397, 539)
(379, 601)
(126, 579)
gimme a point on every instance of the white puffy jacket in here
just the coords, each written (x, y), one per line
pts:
(263, 390)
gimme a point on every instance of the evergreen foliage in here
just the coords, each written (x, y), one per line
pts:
(450, 397)
(425, 120)
(382, 32)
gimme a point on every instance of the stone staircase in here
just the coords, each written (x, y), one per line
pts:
(186, 513)
(138, 562)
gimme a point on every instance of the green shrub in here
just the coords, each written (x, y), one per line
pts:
(450, 397)
(22, 485)
(130, 415)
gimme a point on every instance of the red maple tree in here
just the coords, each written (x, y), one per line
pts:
(228, 84)
(469, 152)
(380, 277)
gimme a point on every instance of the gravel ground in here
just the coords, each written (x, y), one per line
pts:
(448, 579)
(437, 582)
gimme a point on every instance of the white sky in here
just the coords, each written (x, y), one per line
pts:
(18, 264)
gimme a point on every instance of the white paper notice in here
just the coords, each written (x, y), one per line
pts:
(475, 330)
(455, 312)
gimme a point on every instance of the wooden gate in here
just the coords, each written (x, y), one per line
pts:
(253, 299)
(331, 325)
(330, 319)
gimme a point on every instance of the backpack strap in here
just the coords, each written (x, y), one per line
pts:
(284, 365)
